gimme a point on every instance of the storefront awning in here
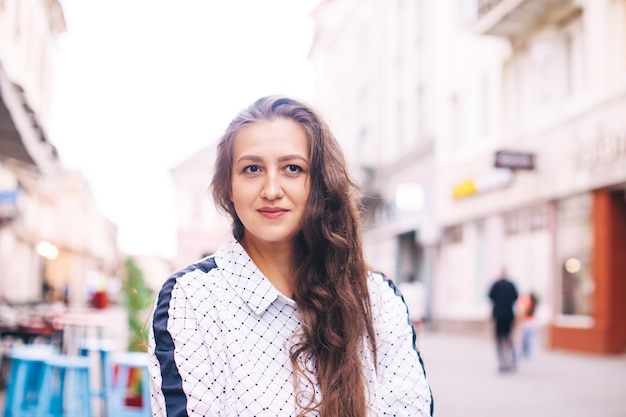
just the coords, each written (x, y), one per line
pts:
(21, 138)
(11, 145)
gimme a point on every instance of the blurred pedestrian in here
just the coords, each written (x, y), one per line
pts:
(285, 319)
(503, 294)
(527, 323)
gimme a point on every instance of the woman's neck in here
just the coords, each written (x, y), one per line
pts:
(275, 261)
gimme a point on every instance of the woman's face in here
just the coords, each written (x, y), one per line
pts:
(270, 180)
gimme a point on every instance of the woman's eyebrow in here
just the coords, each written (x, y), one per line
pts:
(254, 158)
(292, 157)
(250, 158)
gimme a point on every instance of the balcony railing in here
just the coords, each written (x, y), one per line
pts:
(485, 6)
(514, 18)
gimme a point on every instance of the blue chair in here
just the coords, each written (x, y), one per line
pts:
(124, 362)
(66, 391)
(102, 349)
(26, 379)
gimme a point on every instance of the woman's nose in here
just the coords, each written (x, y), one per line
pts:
(272, 188)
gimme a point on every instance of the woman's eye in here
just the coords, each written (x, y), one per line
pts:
(251, 169)
(294, 168)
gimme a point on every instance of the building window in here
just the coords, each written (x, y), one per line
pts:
(511, 224)
(539, 218)
(470, 108)
(454, 234)
(624, 25)
(196, 212)
(421, 109)
(18, 21)
(526, 220)
(574, 243)
(400, 120)
(549, 70)
(574, 57)
(469, 11)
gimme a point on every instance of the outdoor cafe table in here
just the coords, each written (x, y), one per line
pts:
(80, 324)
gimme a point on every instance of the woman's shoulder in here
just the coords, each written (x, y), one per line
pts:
(382, 288)
(379, 279)
(208, 268)
(202, 275)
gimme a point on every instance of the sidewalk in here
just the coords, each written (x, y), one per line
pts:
(463, 375)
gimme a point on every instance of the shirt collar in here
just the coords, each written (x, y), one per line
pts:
(245, 278)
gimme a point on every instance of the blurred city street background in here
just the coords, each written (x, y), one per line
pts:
(488, 137)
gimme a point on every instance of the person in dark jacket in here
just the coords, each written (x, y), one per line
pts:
(503, 294)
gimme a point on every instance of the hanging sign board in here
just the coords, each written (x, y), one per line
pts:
(514, 160)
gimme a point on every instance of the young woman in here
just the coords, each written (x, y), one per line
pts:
(286, 319)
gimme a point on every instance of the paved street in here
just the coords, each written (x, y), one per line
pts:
(462, 373)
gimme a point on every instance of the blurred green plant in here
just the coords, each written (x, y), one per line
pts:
(138, 297)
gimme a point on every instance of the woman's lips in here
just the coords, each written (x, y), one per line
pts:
(272, 212)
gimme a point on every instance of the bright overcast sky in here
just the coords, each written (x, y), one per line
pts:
(143, 84)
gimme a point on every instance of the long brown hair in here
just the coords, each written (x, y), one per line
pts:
(331, 286)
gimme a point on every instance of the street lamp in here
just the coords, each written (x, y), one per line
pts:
(47, 250)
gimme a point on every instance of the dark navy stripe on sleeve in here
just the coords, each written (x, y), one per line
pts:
(171, 384)
(399, 294)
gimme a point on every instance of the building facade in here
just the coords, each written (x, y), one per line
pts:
(54, 242)
(524, 103)
(375, 91)
(201, 228)
(563, 221)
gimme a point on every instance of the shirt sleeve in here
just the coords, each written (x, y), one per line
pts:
(182, 367)
(402, 386)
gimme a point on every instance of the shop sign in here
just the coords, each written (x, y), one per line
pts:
(604, 148)
(487, 181)
(514, 160)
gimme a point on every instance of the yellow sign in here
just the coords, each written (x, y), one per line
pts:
(464, 189)
(487, 181)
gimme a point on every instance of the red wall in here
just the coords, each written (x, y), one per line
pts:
(608, 334)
